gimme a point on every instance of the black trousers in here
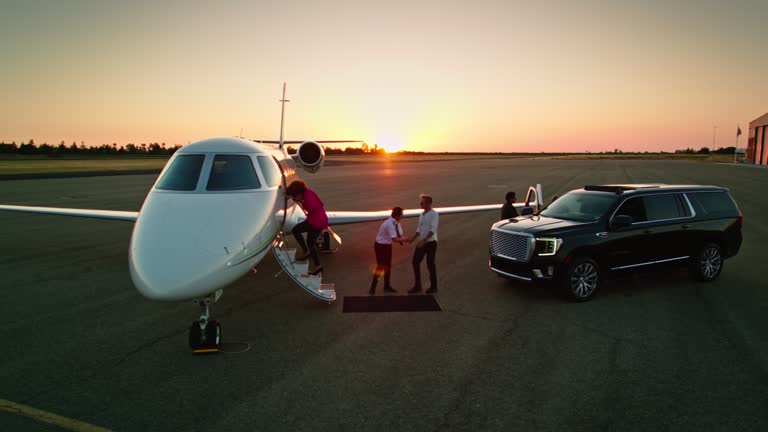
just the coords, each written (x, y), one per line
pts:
(430, 250)
(383, 263)
(312, 235)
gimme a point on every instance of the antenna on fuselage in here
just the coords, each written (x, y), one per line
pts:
(282, 117)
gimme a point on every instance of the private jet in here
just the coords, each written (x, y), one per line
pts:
(215, 211)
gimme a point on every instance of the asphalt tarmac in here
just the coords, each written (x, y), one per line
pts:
(652, 351)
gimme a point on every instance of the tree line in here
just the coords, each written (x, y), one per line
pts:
(45, 149)
(363, 150)
(706, 150)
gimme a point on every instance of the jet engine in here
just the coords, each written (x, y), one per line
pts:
(310, 156)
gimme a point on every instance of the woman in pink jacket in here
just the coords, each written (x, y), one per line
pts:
(315, 223)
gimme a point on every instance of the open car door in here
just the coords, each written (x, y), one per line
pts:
(533, 201)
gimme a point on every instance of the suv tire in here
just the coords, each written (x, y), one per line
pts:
(581, 279)
(707, 264)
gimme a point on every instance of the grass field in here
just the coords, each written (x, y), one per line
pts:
(44, 165)
(49, 166)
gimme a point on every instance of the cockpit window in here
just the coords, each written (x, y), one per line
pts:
(232, 172)
(269, 169)
(183, 173)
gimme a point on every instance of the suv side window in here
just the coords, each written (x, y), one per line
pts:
(683, 206)
(662, 206)
(713, 204)
(633, 207)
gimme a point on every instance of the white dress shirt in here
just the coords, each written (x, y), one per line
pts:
(388, 230)
(427, 223)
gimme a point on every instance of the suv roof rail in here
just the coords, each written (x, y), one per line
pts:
(601, 188)
(619, 189)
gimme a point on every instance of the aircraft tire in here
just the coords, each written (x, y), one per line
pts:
(213, 334)
(195, 336)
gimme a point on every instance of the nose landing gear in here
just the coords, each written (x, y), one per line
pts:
(205, 333)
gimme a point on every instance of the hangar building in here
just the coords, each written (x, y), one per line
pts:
(757, 143)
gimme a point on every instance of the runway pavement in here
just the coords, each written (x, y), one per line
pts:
(653, 351)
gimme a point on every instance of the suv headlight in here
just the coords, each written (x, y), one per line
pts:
(548, 246)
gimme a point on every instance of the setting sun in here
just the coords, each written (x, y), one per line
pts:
(390, 144)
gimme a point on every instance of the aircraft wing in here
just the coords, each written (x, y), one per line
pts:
(334, 217)
(98, 214)
(350, 217)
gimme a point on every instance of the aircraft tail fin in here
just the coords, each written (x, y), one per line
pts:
(282, 117)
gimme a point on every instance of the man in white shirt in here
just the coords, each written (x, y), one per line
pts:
(389, 231)
(427, 245)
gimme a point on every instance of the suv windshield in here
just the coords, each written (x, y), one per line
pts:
(581, 207)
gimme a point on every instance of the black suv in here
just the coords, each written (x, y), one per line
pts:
(587, 232)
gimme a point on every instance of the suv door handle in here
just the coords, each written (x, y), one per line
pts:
(648, 231)
(686, 226)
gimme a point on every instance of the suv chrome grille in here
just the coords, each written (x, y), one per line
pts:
(511, 245)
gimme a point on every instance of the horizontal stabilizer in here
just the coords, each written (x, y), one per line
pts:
(301, 142)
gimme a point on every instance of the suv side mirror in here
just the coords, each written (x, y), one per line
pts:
(621, 221)
(526, 211)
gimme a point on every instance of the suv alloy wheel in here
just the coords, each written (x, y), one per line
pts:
(707, 264)
(581, 279)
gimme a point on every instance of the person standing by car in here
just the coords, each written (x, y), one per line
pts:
(427, 245)
(389, 231)
(508, 210)
(315, 223)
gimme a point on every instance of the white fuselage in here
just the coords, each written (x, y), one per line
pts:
(189, 243)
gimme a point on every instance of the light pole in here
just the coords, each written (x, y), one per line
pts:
(714, 135)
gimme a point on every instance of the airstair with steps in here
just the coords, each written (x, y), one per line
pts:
(298, 271)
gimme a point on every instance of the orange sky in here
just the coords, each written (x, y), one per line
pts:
(433, 76)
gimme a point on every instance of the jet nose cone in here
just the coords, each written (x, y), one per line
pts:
(172, 261)
(182, 249)
(168, 267)
(160, 277)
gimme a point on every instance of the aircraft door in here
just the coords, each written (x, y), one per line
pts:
(282, 189)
